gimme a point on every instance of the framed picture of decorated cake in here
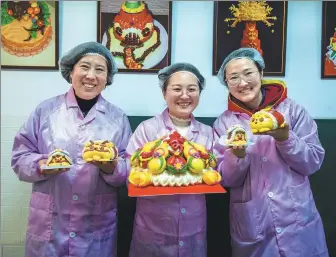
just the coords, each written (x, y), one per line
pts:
(29, 35)
(138, 33)
(328, 62)
(258, 24)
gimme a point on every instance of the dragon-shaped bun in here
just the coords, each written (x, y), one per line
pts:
(264, 121)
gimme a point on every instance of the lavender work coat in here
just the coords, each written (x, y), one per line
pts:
(72, 213)
(173, 225)
(272, 209)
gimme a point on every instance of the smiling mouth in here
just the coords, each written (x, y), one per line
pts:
(89, 86)
(183, 105)
(245, 90)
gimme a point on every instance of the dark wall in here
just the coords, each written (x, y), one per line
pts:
(322, 184)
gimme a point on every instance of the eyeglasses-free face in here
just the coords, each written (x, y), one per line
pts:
(89, 76)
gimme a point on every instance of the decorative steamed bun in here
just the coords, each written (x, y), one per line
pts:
(173, 161)
(100, 150)
(263, 121)
(59, 157)
(236, 136)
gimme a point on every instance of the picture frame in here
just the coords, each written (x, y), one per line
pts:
(328, 50)
(30, 35)
(242, 24)
(138, 33)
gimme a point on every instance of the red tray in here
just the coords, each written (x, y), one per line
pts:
(158, 190)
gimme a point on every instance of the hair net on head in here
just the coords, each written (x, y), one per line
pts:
(167, 72)
(249, 53)
(68, 60)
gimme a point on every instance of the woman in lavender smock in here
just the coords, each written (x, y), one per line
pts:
(272, 209)
(73, 212)
(173, 225)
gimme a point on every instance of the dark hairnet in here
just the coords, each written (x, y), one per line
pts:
(249, 53)
(167, 72)
(68, 60)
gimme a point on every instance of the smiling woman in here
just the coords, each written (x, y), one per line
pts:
(269, 181)
(163, 224)
(85, 194)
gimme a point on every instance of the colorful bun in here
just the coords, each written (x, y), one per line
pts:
(59, 157)
(236, 135)
(263, 121)
(100, 150)
(173, 161)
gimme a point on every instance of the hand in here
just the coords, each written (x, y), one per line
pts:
(50, 172)
(238, 151)
(106, 167)
(280, 134)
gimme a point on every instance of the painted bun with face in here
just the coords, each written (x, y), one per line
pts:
(59, 157)
(236, 136)
(100, 150)
(263, 121)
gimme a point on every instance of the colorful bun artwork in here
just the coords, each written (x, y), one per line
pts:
(173, 161)
(100, 150)
(264, 121)
(133, 36)
(236, 136)
(58, 158)
(26, 27)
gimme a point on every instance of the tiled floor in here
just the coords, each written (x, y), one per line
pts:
(12, 251)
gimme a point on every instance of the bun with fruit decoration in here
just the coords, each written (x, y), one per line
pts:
(263, 121)
(173, 161)
(26, 27)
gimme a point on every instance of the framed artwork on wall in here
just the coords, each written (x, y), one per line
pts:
(138, 33)
(328, 62)
(258, 24)
(29, 35)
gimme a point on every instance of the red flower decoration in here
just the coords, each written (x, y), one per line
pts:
(175, 140)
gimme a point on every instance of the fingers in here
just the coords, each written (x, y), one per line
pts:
(238, 147)
(96, 163)
(50, 172)
(54, 171)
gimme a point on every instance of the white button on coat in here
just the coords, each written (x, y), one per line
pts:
(270, 194)
(72, 234)
(183, 210)
(75, 197)
(278, 230)
(264, 159)
(181, 243)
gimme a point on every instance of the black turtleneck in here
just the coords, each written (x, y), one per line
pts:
(85, 105)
